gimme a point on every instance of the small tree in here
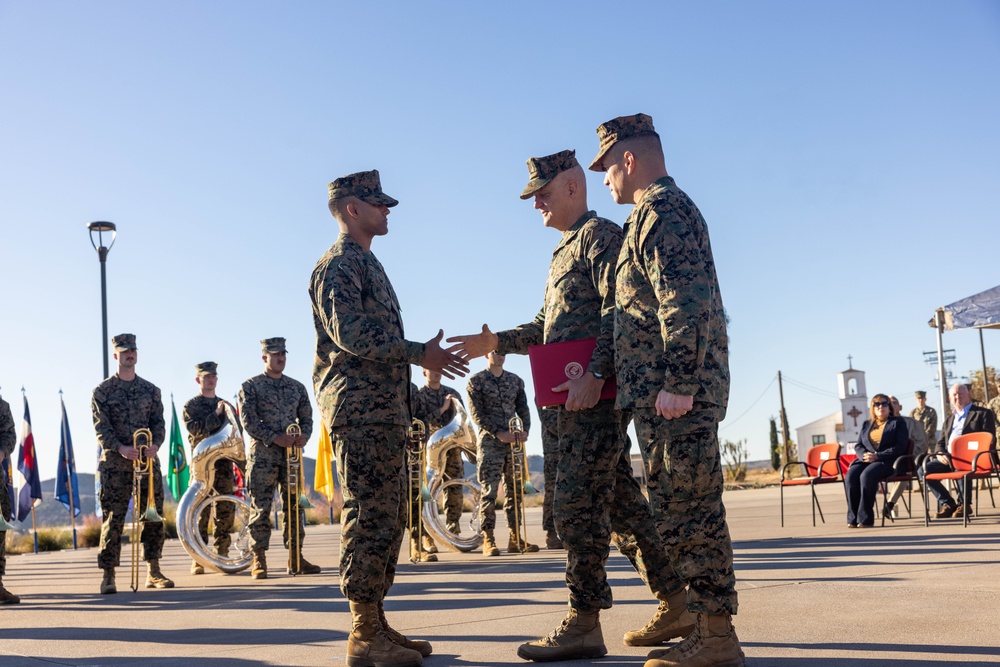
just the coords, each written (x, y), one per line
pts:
(775, 449)
(992, 376)
(734, 457)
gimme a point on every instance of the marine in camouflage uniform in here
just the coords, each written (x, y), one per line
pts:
(495, 397)
(361, 377)
(926, 416)
(594, 492)
(429, 402)
(8, 438)
(202, 418)
(994, 405)
(672, 362)
(121, 405)
(269, 403)
(549, 421)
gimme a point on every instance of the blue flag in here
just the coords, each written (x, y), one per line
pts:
(66, 475)
(30, 493)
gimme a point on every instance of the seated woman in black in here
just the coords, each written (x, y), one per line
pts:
(883, 439)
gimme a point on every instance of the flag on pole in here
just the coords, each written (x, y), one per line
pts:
(30, 493)
(178, 473)
(324, 465)
(67, 488)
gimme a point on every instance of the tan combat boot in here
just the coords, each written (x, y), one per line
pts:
(421, 646)
(304, 566)
(429, 545)
(671, 620)
(197, 568)
(6, 597)
(713, 643)
(108, 583)
(489, 544)
(259, 568)
(514, 545)
(369, 646)
(552, 540)
(578, 637)
(418, 555)
(155, 578)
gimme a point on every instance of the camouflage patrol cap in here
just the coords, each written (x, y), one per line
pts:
(921, 394)
(207, 368)
(123, 342)
(541, 170)
(365, 185)
(273, 345)
(623, 127)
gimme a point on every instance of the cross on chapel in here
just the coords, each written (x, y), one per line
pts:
(855, 413)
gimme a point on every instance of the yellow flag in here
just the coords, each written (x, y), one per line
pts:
(324, 465)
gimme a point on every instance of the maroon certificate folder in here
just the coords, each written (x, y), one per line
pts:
(554, 363)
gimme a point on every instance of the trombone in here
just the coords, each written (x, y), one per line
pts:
(415, 466)
(142, 468)
(518, 467)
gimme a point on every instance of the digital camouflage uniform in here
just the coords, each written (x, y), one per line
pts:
(267, 407)
(994, 405)
(362, 382)
(670, 334)
(426, 406)
(549, 424)
(926, 417)
(493, 401)
(120, 409)
(8, 439)
(594, 491)
(201, 421)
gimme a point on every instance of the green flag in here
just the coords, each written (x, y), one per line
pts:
(178, 473)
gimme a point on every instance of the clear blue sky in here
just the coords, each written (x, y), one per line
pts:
(843, 153)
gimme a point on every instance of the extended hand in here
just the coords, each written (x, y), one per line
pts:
(443, 361)
(475, 345)
(672, 406)
(584, 392)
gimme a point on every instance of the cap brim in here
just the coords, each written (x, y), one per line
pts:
(596, 164)
(381, 199)
(533, 186)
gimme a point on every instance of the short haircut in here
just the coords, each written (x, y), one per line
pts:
(640, 145)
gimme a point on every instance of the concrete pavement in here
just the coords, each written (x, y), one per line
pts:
(809, 597)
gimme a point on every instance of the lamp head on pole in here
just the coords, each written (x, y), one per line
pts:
(97, 232)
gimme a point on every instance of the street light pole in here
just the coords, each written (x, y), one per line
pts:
(97, 232)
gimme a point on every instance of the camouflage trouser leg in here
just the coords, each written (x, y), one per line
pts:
(634, 532)
(6, 510)
(454, 469)
(493, 459)
(372, 475)
(684, 478)
(225, 512)
(589, 448)
(266, 472)
(549, 419)
(116, 490)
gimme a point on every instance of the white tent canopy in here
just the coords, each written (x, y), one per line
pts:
(979, 311)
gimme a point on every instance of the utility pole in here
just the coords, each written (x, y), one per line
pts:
(784, 420)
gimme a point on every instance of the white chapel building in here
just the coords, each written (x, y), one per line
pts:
(843, 426)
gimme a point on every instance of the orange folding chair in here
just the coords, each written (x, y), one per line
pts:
(822, 466)
(904, 469)
(973, 457)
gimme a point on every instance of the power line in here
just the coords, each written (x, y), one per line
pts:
(803, 385)
(730, 423)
